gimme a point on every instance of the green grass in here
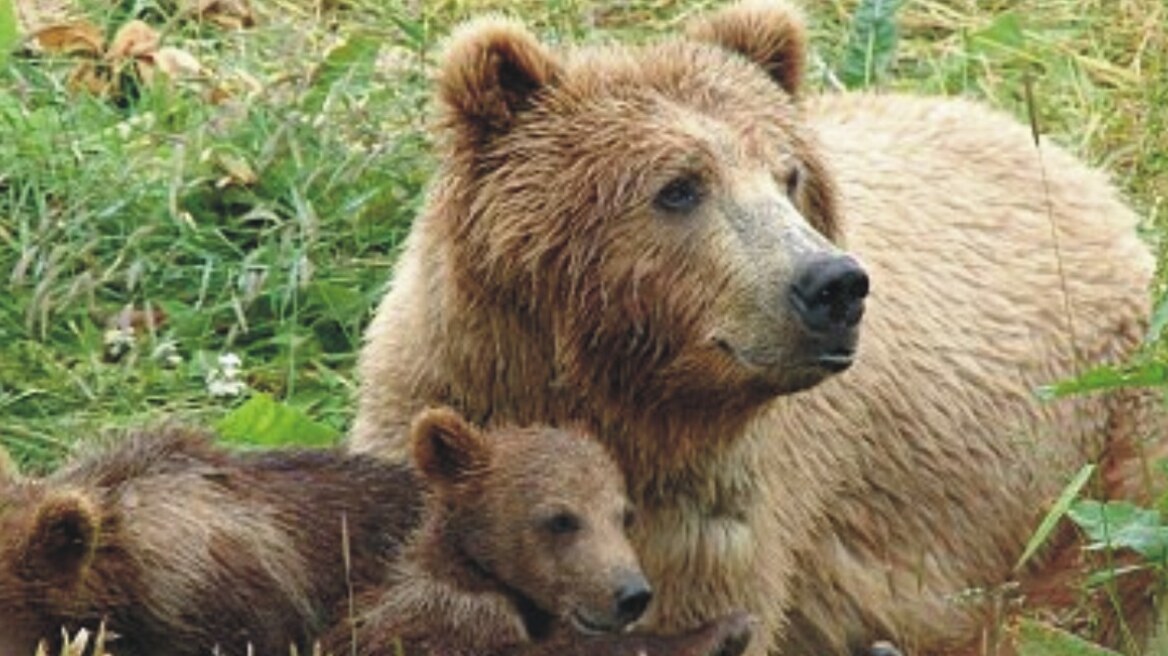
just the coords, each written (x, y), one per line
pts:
(265, 223)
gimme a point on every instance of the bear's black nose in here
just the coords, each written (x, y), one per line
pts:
(828, 293)
(631, 600)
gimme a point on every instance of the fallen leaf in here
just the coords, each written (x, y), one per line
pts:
(78, 38)
(137, 321)
(228, 14)
(239, 171)
(134, 39)
(176, 63)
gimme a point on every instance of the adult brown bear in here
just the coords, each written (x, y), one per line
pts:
(648, 240)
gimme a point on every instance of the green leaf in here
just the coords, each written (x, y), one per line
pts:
(262, 421)
(415, 30)
(355, 54)
(337, 302)
(9, 35)
(1060, 508)
(1107, 377)
(1122, 525)
(871, 46)
(1005, 33)
(1040, 639)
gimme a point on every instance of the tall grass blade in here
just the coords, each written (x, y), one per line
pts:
(1040, 639)
(1057, 511)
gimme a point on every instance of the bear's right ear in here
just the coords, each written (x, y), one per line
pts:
(769, 33)
(492, 70)
(62, 538)
(447, 449)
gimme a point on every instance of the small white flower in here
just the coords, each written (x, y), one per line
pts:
(220, 388)
(230, 363)
(224, 381)
(118, 342)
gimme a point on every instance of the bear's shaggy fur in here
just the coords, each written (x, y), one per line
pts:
(613, 238)
(181, 547)
(522, 549)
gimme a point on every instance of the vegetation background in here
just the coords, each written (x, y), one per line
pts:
(198, 212)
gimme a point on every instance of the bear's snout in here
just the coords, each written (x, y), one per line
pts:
(828, 293)
(632, 598)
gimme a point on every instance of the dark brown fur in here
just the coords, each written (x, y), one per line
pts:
(181, 546)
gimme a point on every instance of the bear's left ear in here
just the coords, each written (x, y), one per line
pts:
(447, 449)
(492, 70)
(62, 537)
(771, 34)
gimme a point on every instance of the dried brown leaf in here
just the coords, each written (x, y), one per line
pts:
(137, 321)
(238, 170)
(176, 63)
(228, 14)
(76, 38)
(90, 76)
(134, 39)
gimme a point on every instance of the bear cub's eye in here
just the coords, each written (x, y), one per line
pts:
(629, 518)
(562, 523)
(680, 195)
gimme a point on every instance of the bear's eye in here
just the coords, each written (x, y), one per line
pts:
(630, 518)
(562, 524)
(679, 195)
(794, 179)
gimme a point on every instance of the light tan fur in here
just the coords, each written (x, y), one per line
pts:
(539, 286)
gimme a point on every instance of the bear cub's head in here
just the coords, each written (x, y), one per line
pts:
(538, 514)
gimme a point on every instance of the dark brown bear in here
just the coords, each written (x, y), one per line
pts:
(182, 548)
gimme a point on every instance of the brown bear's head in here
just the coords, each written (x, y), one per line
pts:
(657, 215)
(540, 515)
(47, 540)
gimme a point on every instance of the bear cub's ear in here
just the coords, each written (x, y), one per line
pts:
(769, 33)
(62, 538)
(492, 70)
(447, 449)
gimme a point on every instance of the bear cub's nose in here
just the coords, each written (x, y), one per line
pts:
(631, 601)
(828, 293)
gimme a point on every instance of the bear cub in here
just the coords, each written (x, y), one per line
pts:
(522, 550)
